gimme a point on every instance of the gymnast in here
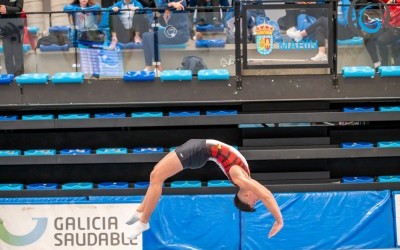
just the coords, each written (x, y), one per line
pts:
(194, 154)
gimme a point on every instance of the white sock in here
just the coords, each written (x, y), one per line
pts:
(135, 217)
(138, 228)
(377, 64)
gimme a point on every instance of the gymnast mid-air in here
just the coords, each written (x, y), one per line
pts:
(194, 154)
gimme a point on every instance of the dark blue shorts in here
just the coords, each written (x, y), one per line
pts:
(193, 153)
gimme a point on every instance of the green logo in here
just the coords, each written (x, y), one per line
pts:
(23, 240)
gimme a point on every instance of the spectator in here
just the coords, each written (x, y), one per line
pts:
(127, 24)
(85, 20)
(175, 31)
(320, 29)
(389, 36)
(12, 34)
(289, 21)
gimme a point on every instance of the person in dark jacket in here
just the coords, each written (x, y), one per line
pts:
(12, 34)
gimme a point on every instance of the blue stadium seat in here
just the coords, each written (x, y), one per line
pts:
(213, 74)
(77, 185)
(358, 109)
(37, 117)
(134, 76)
(110, 115)
(389, 71)
(113, 151)
(185, 184)
(357, 179)
(73, 116)
(113, 185)
(221, 112)
(11, 186)
(184, 113)
(33, 78)
(80, 151)
(39, 152)
(389, 178)
(42, 186)
(147, 114)
(389, 144)
(141, 184)
(68, 78)
(8, 117)
(176, 75)
(219, 183)
(53, 47)
(358, 71)
(6, 79)
(148, 150)
(213, 43)
(10, 152)
(390, 109)
(357, 145)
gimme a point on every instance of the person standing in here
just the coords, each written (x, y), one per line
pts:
(12, 35)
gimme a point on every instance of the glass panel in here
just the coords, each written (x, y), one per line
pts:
(288, 35)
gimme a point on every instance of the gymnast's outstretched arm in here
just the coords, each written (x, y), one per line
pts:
(247, 184)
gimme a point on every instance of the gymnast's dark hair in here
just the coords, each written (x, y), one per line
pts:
(242, 206)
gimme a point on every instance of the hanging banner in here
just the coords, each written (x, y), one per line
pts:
(67, 226)
(397, 216)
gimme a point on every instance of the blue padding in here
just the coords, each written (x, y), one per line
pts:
(73, 116)
(359, 109)
(148, 150)
(8, 117)
(184, 113)
(186, 184)
(113, 151)
(67, 77)
(214, 43)
(173, 46)
(213, 74)
(26, 48)
(141, 184)
(357, 179)
(131, 45)
(113, 185)
(143, 75)
(390, 109)
(37, 117)
(323, 220)
(53, 47)
(221, 112)
(59, 29)
(43, 200)
(77, 185)
(115, 199)
(389, 71)
(351, 42)
(34, 78)
(110, 115)
(176, 75)
(42, 186)
(147, 114)
(6, 79)
(389, 144)
(357, 145)
(209, 28)
(358, 71)
(33, 30)
(219, 183)
(11, 186)
(1, 49)
(209, 222)
(10, 152)
(80, 151)
(389, 178)
(172, 149)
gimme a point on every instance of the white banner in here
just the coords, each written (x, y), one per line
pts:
(397, 216)
(67, 227)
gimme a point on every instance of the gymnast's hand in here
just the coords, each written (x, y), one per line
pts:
(275, 229)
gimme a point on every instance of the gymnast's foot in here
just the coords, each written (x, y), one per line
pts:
(135, 217)
(138, 228)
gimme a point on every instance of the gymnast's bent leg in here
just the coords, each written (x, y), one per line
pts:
(167, 167)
